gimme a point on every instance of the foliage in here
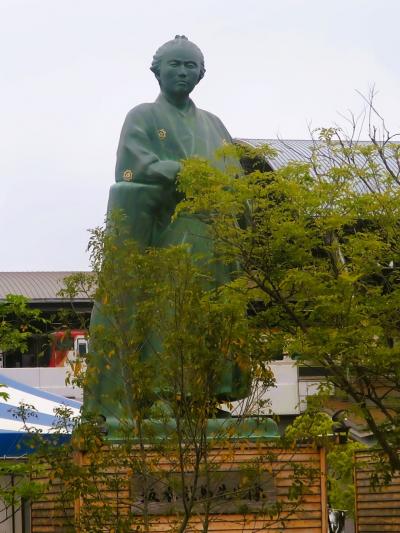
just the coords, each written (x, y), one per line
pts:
(18, 322)
(320, 253)
(312, 426)
(317, 428)
(189, 329)
(167, 409)
(341, 465)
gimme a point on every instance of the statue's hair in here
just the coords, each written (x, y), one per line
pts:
(180, 40)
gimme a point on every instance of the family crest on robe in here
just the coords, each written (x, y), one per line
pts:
(152, 136)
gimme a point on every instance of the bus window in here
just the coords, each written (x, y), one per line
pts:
(82, 347)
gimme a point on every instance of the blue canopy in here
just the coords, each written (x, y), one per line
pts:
(42, 416)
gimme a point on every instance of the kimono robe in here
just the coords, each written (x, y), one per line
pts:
(154, 137)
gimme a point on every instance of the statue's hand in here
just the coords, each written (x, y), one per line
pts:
(163, 172)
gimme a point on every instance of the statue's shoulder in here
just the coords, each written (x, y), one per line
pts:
(141, 110)
(213, 118)
(209, 114)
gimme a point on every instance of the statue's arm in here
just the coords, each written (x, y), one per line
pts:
(137, 158)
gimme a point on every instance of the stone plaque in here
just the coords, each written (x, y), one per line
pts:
(225, 491)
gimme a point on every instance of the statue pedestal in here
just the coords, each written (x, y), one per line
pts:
(249, 429)
(239, 486)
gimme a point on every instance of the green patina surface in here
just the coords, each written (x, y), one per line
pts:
(252, 429)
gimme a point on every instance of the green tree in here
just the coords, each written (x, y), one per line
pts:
(341, 463)
(171, 420)
(320, 254)
(18, 322)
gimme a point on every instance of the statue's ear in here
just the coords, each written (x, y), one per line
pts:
(156, 74)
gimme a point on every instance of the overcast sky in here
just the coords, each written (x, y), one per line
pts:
(71, 69)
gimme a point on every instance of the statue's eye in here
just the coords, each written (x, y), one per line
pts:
(173, 63)
(190, 65)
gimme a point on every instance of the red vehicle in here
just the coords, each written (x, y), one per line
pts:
(68, 346)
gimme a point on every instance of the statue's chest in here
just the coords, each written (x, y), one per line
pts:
(181, 136)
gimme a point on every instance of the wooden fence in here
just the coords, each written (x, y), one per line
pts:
(377, 508)
(306, 515)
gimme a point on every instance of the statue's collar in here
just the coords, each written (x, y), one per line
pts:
(163, 101)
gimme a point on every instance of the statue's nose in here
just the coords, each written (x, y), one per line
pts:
(182, 71)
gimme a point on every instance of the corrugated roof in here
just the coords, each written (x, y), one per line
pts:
(288, 150)
(36, 286)
(300, 151)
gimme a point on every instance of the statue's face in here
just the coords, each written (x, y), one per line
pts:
(179, 71)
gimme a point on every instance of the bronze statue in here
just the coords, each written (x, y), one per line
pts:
(155, 137)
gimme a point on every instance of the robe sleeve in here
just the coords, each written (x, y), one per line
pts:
(137, 159)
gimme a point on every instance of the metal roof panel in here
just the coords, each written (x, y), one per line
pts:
(290, 150)
(36, 286)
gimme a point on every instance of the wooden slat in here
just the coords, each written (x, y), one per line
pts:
(381, 526)
(309, 517)
(376, 513)
(377, 508)
(371, 500)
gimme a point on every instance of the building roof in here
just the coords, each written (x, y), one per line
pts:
(36, 286)
(289, 151)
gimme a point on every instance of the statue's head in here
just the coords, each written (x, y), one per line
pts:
(178, 66)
